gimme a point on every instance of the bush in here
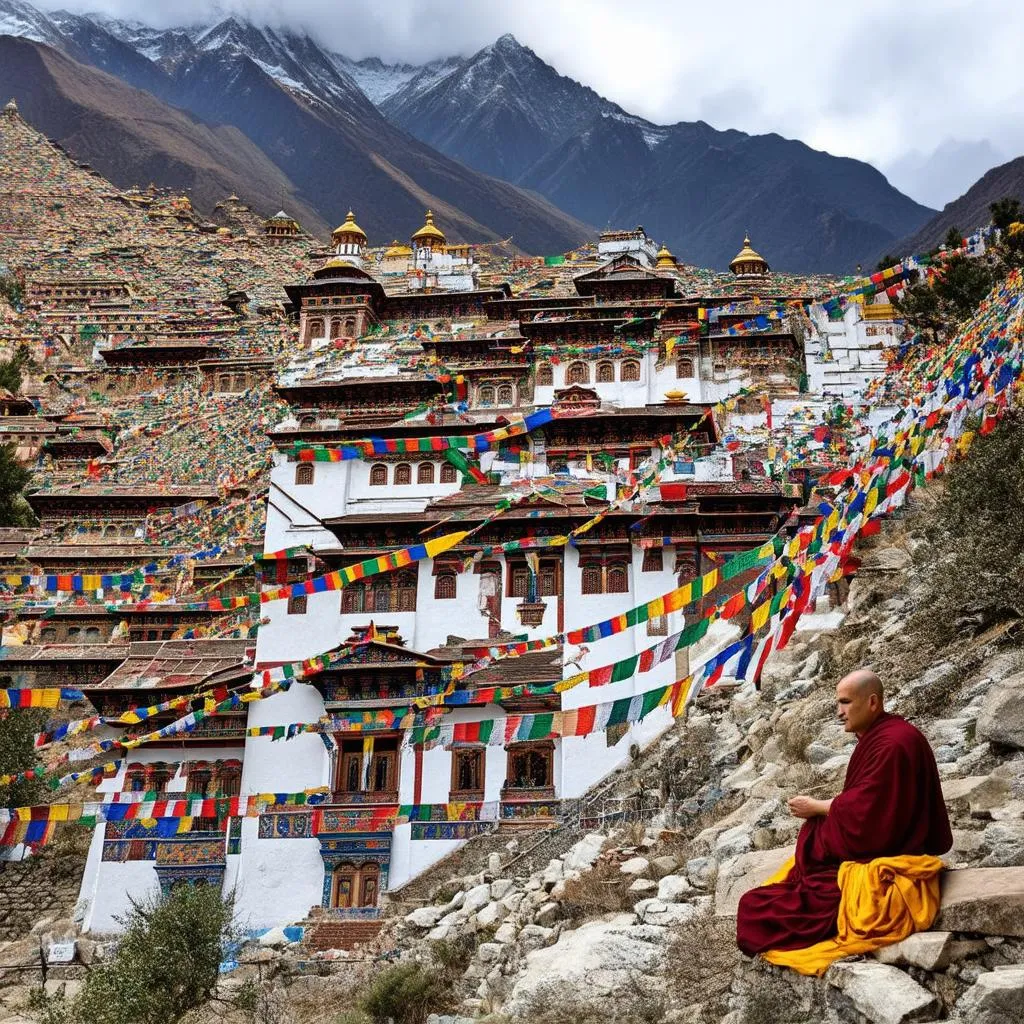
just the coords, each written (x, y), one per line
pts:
(976, 528)
(166, 962)
(404, 994)
(18, 754)
(603, 889)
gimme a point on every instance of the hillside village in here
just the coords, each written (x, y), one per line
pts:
(327, 544)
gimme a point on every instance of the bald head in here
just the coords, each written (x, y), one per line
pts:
(860, 699)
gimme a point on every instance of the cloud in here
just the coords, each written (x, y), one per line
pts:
(868, 80)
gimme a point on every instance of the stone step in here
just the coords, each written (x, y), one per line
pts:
(340, 934)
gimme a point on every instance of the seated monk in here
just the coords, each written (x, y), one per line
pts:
(891, 805)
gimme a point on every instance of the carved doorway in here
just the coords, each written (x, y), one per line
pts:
(355, 885)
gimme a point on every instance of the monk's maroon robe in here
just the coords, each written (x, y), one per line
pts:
(891, 804)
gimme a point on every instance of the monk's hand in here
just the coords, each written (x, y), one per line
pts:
(805, 807)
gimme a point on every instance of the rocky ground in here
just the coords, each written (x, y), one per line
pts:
(635, 921)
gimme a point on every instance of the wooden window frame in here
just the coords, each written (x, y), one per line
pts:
(449, 474)
(403, 474)
(577, 369)
(304, 474)
(425, 473)
(298, 604)
(478, 755)
(630, 371)
(378, 470)
(654, 560)
(605, 372)
(545, 375)
(443, 580)
(685, 368)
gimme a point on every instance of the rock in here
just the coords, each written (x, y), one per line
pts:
(997, 997)
(658, 912)
(547, 914)
(1003, 844)
(733, 842)
(931, 951)
(512, 901)
(702, 871)
(985, 901)
(745, 872)
(976, 793)
(477, 898)
(599, 958)
(585, 852)
(643, 886)
(884, 994)
(494, 863)
(672, 888)
(1001, 719)
(818, 753)
(455, 903)
(275, 938)
(423, 917)
(534, 937)
(666, 865)
(440, 933)
(505, 933)
(492, 914)
(635, 866)
(886, 560)
(489, 952)
(501, 887)
(85, 949)
(964, 949)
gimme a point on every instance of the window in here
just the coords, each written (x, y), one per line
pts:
(92, 635)
(316, 328)
(74, 633)
(506, 395)
(49, 635)
(407, 591)
(297, 604)
(605, 578)
(350, 327)
(304, 473)
(335, 329)
(606, 372)
(485, 396)
(425, 473)
(444, 586)
(545, 375)
(353, 599)
(449, 475)
(403, 473)
(530, 767)
(467, 772)
(379, 475)
(577, 373)
(519, 581)
(654, 560)
(616, 579)
(684, 367)
(630, 370)
(382, 596)
(657, 625)
(592, 579)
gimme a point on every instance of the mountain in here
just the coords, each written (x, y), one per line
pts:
(133, 138)
(505, 111)
(947, 172)
(970, 211)
(296, 104)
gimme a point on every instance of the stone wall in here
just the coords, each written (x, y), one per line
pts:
(46, 886)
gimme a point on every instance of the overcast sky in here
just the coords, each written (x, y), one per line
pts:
(876, 80)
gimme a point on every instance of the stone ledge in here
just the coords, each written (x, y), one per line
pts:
(984, 901)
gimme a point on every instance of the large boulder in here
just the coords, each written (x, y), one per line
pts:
(884, 994)
(585, 852)
(745, 872)
(931, 951)
(985, 901)
(995, 998)
(1001, 719)
(601, 958)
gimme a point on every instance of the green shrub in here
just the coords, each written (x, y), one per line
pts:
(405, 994)
(166, 962)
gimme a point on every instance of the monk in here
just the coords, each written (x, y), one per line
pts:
(891, 805)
